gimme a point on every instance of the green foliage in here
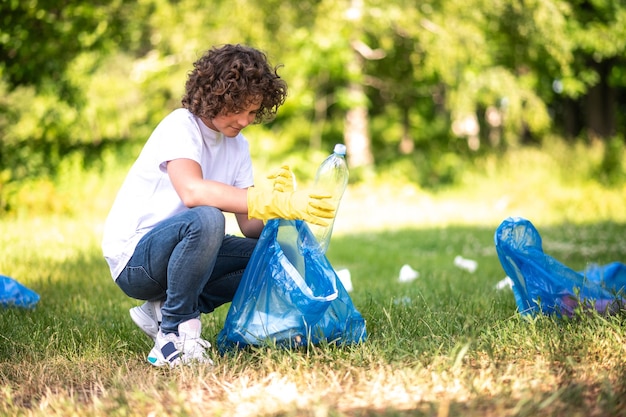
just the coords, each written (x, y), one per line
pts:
(600, 29)
(76, 186)
(612, 170)
(39, 39)
(443, 81)
(37, 130)
(56, 98)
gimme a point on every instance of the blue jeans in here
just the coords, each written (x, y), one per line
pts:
(189, 262)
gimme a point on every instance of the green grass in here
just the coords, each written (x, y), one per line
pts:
(447, 343)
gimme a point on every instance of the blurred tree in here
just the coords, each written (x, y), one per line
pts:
(356, 126)
(49, 51)
(598, 31)
(324, 71)
(396, 80)
(40, 38)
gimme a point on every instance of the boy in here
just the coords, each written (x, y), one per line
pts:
(164, 238)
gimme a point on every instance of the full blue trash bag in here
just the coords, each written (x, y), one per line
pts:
(542, 284)
(290, 295)
(14, 294)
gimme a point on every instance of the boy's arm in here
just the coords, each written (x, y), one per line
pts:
(258, 203)
(249, 227)
(193, 190)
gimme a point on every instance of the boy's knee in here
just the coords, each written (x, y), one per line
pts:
(210, 218)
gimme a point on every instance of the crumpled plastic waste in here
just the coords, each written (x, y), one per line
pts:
(346, 278)
(468, 265)
(541, 284)
(14, 294)
(504, 284)
(408, 274)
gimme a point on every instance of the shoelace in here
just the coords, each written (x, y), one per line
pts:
(193, 348)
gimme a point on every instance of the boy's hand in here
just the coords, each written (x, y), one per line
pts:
(284, 179)
(307, 205)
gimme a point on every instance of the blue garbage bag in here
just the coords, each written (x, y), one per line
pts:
(541, 284)
(290, 295)
(14, 294)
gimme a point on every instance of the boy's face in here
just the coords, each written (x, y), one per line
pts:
(230, 124)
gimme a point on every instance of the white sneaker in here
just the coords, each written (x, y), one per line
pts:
(185, 348)
(148, 317)
(165, 351)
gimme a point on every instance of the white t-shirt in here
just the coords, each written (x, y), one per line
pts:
(147, 195)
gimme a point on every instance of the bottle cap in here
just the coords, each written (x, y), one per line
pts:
(340, 149)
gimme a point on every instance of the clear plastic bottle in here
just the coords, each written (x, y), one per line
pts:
(331, 177)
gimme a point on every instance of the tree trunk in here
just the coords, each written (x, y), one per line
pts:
(356, 126)
(600, 104)
(356, 132)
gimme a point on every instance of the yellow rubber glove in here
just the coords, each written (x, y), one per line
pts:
(284, 179)
(306, 205)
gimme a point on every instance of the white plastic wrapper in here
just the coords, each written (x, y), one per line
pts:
(408, 274)
(469, 265)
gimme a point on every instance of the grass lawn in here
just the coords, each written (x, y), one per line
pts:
(448, 343)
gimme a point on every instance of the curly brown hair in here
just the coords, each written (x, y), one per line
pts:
(229, 78)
